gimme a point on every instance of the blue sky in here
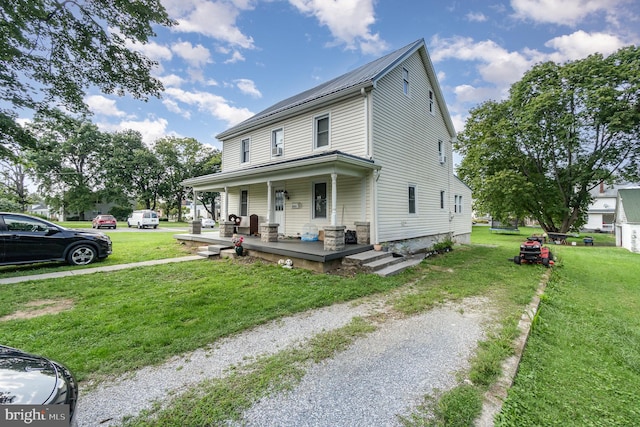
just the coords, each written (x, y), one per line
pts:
(229, 59)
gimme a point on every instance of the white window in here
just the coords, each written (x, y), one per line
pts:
(457, 207)
(320, 200)
(412, 199)
(244, 203)
(442, 200)
(405, 81)
(277, 142)
(431, 110)
(442, 156)
(321, 131)
(244, 150)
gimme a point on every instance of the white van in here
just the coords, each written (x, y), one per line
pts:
(143, 219)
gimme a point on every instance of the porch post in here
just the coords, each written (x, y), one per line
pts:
(268, 230)
(269, 202)
(194, 224)
(334, 199)
(226, 226)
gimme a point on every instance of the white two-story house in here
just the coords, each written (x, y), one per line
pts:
(370, 150)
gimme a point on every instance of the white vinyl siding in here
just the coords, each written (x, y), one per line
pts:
(347, 133)
(404, 132)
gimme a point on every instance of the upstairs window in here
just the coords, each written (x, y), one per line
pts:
(412, 199)
(405, 81)
(277, 142)
(442, 156)
(431, 100)
(457, 207)
(244, 151)
(321, 131)
(442, 200)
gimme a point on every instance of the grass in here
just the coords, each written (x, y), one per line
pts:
(127, 247)
(125, 320)
(582, 363)
(580, 367)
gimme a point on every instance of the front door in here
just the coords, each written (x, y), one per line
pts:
(278, 209)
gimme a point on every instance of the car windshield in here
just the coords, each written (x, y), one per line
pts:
(28, 224)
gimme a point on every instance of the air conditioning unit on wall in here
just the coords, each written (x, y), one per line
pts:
(443, 159)
(276, 151)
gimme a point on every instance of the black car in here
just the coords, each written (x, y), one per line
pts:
(25, 239)
(27, 379)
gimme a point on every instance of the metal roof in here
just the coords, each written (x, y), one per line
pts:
(630, 200)
(362, 77)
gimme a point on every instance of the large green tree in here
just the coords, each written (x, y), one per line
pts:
(181, 158)
(132, 171)
(67, 162)
(52, 51)
(564, 129)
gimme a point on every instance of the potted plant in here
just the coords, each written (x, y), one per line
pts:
(237, 243)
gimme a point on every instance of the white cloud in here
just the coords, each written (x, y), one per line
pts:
(581, 44)
(215, 105)
(565, 12)
(196, 56)
(172, 80)
(476, 17)
(347, 20)
(248, 87)
(150, 129)
(215, 19)
(152, 50)
(236, 57)
(101, 105)
(175, 108)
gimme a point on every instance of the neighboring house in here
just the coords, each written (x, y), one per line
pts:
(370, 150)
(40, 209)
(602, 210)
(628, 219)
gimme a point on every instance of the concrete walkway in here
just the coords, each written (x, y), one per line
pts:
(92, 270)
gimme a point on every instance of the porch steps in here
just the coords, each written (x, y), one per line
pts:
(381, 263)
(211, 250)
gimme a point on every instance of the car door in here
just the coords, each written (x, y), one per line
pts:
(28, 239)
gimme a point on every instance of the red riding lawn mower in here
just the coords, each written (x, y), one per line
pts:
(534, 252)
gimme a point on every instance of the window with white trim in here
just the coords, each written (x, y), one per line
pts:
(442, 157)
(244, 202)
(405, 81)
(412, 199)
(321, 131)
(277, 142)
(457, 204)
(431, 100)
(320, 200)
(244, 150)
(442, 200)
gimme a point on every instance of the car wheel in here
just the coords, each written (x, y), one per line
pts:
(139, 226)
(114, 227)
(81, 255)
(155, 226)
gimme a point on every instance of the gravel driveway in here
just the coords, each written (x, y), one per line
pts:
(380, 376)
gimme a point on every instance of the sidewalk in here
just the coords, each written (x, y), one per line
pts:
(92, 270)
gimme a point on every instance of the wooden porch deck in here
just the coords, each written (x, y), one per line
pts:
(296, 249)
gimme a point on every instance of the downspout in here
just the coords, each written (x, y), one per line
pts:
(368, 123)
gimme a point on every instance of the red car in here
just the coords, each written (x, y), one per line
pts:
(107, 221)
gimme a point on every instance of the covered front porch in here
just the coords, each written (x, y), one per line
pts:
(308, 255)
(330, 192)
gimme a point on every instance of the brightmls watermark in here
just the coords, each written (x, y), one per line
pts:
(34, 415)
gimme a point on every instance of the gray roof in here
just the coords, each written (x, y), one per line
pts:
(361, 77)
(630, 198)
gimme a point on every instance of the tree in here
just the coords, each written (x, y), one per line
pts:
(14, 183)
(132, 170)
(211, 164)
(67, 162)
(562, 131)
(181, 158)
(52, 51)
